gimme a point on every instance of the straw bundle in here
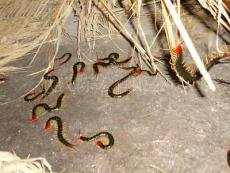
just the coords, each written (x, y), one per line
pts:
(11, 163)
(26, 25)
(219, 9)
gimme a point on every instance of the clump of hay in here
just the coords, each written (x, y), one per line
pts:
(11, 163)
(26, 25)
(89, 12)
(220, 11)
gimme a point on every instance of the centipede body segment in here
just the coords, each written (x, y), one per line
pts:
(57, 123)
(46, 107)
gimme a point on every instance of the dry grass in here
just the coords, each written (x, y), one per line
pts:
(27, 25)
(11, 163)
(90, 16)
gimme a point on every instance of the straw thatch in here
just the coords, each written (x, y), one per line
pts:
(28, 24)
(11, 163)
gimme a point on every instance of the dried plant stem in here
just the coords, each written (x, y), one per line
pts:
(189, 44)
(121, 27)
(148, 51)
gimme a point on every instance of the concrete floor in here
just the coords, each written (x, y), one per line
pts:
(157, 125)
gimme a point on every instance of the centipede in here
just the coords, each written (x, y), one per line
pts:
(100, 143)
(188, 74)
(46, 107)
(136, 71)
(76, 70)
(57, 123)
(67, 55)
(33, 96)
(53, 85)
(115, 84)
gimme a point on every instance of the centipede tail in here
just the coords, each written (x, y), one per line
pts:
(59, 126)
(213, 59)
(67, 55)
(135, 72)
(76, 70)
(31, 97)
(108, 135)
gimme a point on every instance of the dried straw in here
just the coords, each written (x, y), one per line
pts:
(26, 25)
(11, 163)
(219, 9)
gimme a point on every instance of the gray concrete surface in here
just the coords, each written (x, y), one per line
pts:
(156, 125)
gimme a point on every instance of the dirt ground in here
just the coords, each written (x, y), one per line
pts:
(158, 127)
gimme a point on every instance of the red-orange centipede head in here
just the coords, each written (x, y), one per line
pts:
(34, 118)
(179, 50)
(136, 72)
(81, 70)
(47, 126)
(99, 143)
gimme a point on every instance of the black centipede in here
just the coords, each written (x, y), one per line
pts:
(99, 143)
(67, 55)
(76, 70)
(53, 85)
(187, 74)
(112, 87)
(135, 72)
(31, 96)
(59, 126)
(46, 107)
